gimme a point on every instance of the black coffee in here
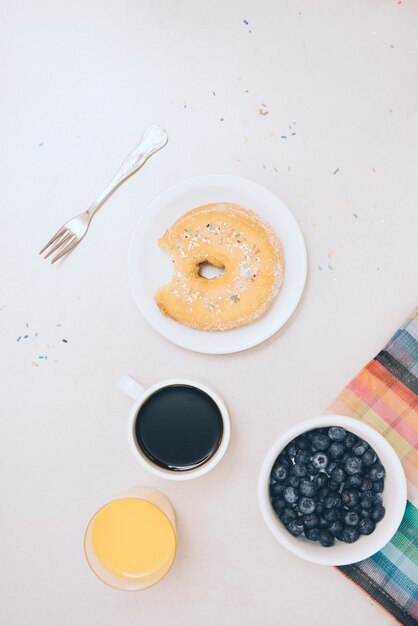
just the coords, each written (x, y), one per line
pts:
(179, 427)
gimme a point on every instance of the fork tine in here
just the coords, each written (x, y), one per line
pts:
(70, 246)
(57, 234)
(63, 240)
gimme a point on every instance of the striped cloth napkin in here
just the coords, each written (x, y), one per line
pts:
(384, 395)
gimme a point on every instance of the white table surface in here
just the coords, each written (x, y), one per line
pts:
(80, 80)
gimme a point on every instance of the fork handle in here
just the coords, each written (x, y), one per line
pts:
(153, 139)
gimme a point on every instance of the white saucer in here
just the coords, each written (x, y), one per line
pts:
(149, 267)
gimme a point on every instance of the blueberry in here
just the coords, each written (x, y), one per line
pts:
(336, 449)
(320, 508)
(291, 449)
(287, 514)
(292, 481)
(320, 460)
(366, 526)
(366, 485)
(276, 489)
(323, 493)
(360, 447)
(320, 480)
(367, 499)
(378, 513)
(333, 485)
(353, 465)
(323, 522)
(350, 498)
(311, 520)
(338, 474)
(312, 470)
(333, 500)
(377, 499)
(376, 471)
(336, 527)
(302, 443)
(312, 534)
(331, 466)
(295, 527)
(354, 481)
(369, 457)
(326, 539)
(302, 456)
(349, 535)
(331, 515)
(350, 440)
(351, 518)
(279, 472)
(307, 488)
(291, 495)
(378, 486)
(299, 470)
(336, 433)
(342, 459)
(278, 505)
(320, 442)
(306, 505)
(365, 513)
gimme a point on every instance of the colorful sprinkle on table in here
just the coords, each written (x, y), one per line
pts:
(355, 215)
(336, 171)
(245, 22)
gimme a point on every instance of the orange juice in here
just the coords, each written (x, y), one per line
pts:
(133, 543)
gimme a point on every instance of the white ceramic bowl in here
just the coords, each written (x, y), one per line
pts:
(394, 497)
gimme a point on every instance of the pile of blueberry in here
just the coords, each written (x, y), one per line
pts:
(326, 485)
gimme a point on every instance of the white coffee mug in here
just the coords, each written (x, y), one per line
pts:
(140, 394)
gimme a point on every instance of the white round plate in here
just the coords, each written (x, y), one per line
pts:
(149, 267)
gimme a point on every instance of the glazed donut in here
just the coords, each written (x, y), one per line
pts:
(228, 237)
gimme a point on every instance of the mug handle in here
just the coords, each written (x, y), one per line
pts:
(131, 387)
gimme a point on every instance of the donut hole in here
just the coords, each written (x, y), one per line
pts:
(209, 271)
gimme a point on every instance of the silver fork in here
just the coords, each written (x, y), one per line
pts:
(69, 236)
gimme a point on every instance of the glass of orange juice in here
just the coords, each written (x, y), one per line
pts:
(130, 543)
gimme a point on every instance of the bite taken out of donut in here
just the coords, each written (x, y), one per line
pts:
(234, 239)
